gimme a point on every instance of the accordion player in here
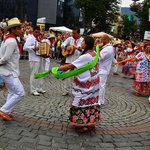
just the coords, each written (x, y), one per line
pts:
(44, 49)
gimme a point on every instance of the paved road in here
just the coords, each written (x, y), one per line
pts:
(41, 123)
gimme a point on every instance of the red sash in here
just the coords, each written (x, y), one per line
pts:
(75, 40)
(19, 45)
(130, 53)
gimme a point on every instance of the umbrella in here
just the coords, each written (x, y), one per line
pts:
(99, 34)
(62, 29)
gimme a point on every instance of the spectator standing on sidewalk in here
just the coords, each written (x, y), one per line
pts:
(58, 47)
(3, 23)
(52, 44)
(9, 68)
(46, 60)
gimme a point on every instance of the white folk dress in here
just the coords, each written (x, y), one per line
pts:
(85, 110)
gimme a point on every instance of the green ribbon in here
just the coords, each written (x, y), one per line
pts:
(41, 75)
(71, 73)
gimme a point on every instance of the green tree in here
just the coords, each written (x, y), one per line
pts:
(102, 12)
(129, 28)
(143, 15)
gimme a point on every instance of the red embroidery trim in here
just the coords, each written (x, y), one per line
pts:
(89, 101)
(87, 84)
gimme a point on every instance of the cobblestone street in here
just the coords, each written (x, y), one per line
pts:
(41, 122)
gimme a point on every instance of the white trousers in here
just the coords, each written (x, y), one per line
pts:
(47, 64)
(36, 84)
(102, 86)
(115, 66)
(68, 84)
(15, 93)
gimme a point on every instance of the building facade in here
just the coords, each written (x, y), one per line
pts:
(56, 12)
(30, 10)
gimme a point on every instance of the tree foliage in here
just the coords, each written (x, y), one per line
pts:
(129, 28)
(101, 12)
(143, 15)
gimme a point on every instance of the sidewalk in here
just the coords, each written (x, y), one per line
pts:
(41, 123)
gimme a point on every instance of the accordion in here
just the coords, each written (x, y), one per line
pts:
(44, 49)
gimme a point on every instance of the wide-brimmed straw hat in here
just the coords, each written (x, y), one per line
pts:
(116, 42)
(51, 36)
(12, 23)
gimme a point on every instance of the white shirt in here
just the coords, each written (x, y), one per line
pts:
(26, 36)
(29, 46)
(9, 57)
(106, 58)
(3, 24)
(46, 40)
(86, 84)
(77, 53)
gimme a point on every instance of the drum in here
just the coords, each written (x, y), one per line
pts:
(44, 49)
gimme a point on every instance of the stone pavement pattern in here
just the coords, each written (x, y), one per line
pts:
(41, 123)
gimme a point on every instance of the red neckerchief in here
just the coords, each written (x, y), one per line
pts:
(51, 42)
(38, 39)
(75, 40)
(130, 53)
(12, 36)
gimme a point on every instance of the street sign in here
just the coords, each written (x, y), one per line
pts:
(147, 35)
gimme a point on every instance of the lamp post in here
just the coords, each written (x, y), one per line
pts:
(60, 13)
(60, 5)
(81, 17)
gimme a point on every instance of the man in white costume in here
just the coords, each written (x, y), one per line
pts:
(9, 68)
(36, 63)
(106, 59)
(75, 40)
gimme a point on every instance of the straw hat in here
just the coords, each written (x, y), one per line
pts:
(51, 36)
(12, 23)
(116, 42)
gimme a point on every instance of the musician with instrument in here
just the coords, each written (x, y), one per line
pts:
(36, 64)
(71, 49)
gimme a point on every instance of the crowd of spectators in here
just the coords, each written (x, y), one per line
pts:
(27, 30)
